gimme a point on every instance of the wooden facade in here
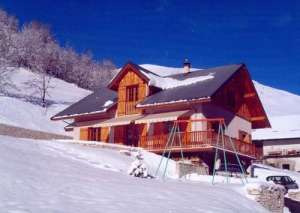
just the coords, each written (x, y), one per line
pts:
(131, 90)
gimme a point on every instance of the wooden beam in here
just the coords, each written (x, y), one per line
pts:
(258, 118)
(249, 95)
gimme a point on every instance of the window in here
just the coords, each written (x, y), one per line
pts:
(286, 166)
(214, 126)
(94, 134)
(244, 136)
(168, 127)
(132, 97)
(132, 93)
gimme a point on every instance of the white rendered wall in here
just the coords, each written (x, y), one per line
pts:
(234, 123)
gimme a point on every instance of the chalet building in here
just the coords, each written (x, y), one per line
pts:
(139, 107)
(279, 146)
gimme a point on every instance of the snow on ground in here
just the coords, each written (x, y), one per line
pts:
(14, 113)
(19, 105)
(51, 176)
(62, 92)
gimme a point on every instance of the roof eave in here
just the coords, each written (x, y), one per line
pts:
(176, 103)
(112, 84)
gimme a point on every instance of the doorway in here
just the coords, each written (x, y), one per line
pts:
(286, 166)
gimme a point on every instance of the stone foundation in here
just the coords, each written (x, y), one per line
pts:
(190, 168)
(294, 194)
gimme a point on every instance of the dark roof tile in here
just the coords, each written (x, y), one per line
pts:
(195, 91)
(93, 103)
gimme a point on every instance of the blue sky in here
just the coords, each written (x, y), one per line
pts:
(263, 34)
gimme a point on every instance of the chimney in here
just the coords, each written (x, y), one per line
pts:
(186, 66)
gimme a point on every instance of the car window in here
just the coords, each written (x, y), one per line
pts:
(277, 178)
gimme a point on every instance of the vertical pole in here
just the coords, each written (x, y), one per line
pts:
(183, 166)
(216, 155)
(237, 157)
(169, 152)
(162, 157)
(224, 152)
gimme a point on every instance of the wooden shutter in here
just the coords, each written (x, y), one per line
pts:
(142, 129)
(84, 134)
(158, 128)
(142, 95)
(104, 134)
(142, 92)
(121, 100)
(118, 134)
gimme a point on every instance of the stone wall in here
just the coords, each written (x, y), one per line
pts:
(19, 132)
(268, 195)
(190, 168)
(294, 194)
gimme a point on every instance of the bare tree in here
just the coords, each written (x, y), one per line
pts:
(5, 74)
(41, 83)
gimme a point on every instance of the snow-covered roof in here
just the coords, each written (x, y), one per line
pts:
(164, 71)
(282, 127)
(192, 86)
(169, 82)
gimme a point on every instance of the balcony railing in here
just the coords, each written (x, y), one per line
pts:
(196, 140)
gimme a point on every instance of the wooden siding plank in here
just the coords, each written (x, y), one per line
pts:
(104, 134)
(84, 134)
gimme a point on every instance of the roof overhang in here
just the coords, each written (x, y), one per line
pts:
(82, 115)
(162, 117)
(113, 84)
(174, 103)
(119, 121)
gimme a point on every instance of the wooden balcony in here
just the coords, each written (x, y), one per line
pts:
(195, 142)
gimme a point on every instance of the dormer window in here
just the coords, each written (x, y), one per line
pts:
(132, 97)
(132, 93)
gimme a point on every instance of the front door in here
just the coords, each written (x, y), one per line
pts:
(131, 133)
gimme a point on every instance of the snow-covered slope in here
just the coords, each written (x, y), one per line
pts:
(49, 176)
(20, 104)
